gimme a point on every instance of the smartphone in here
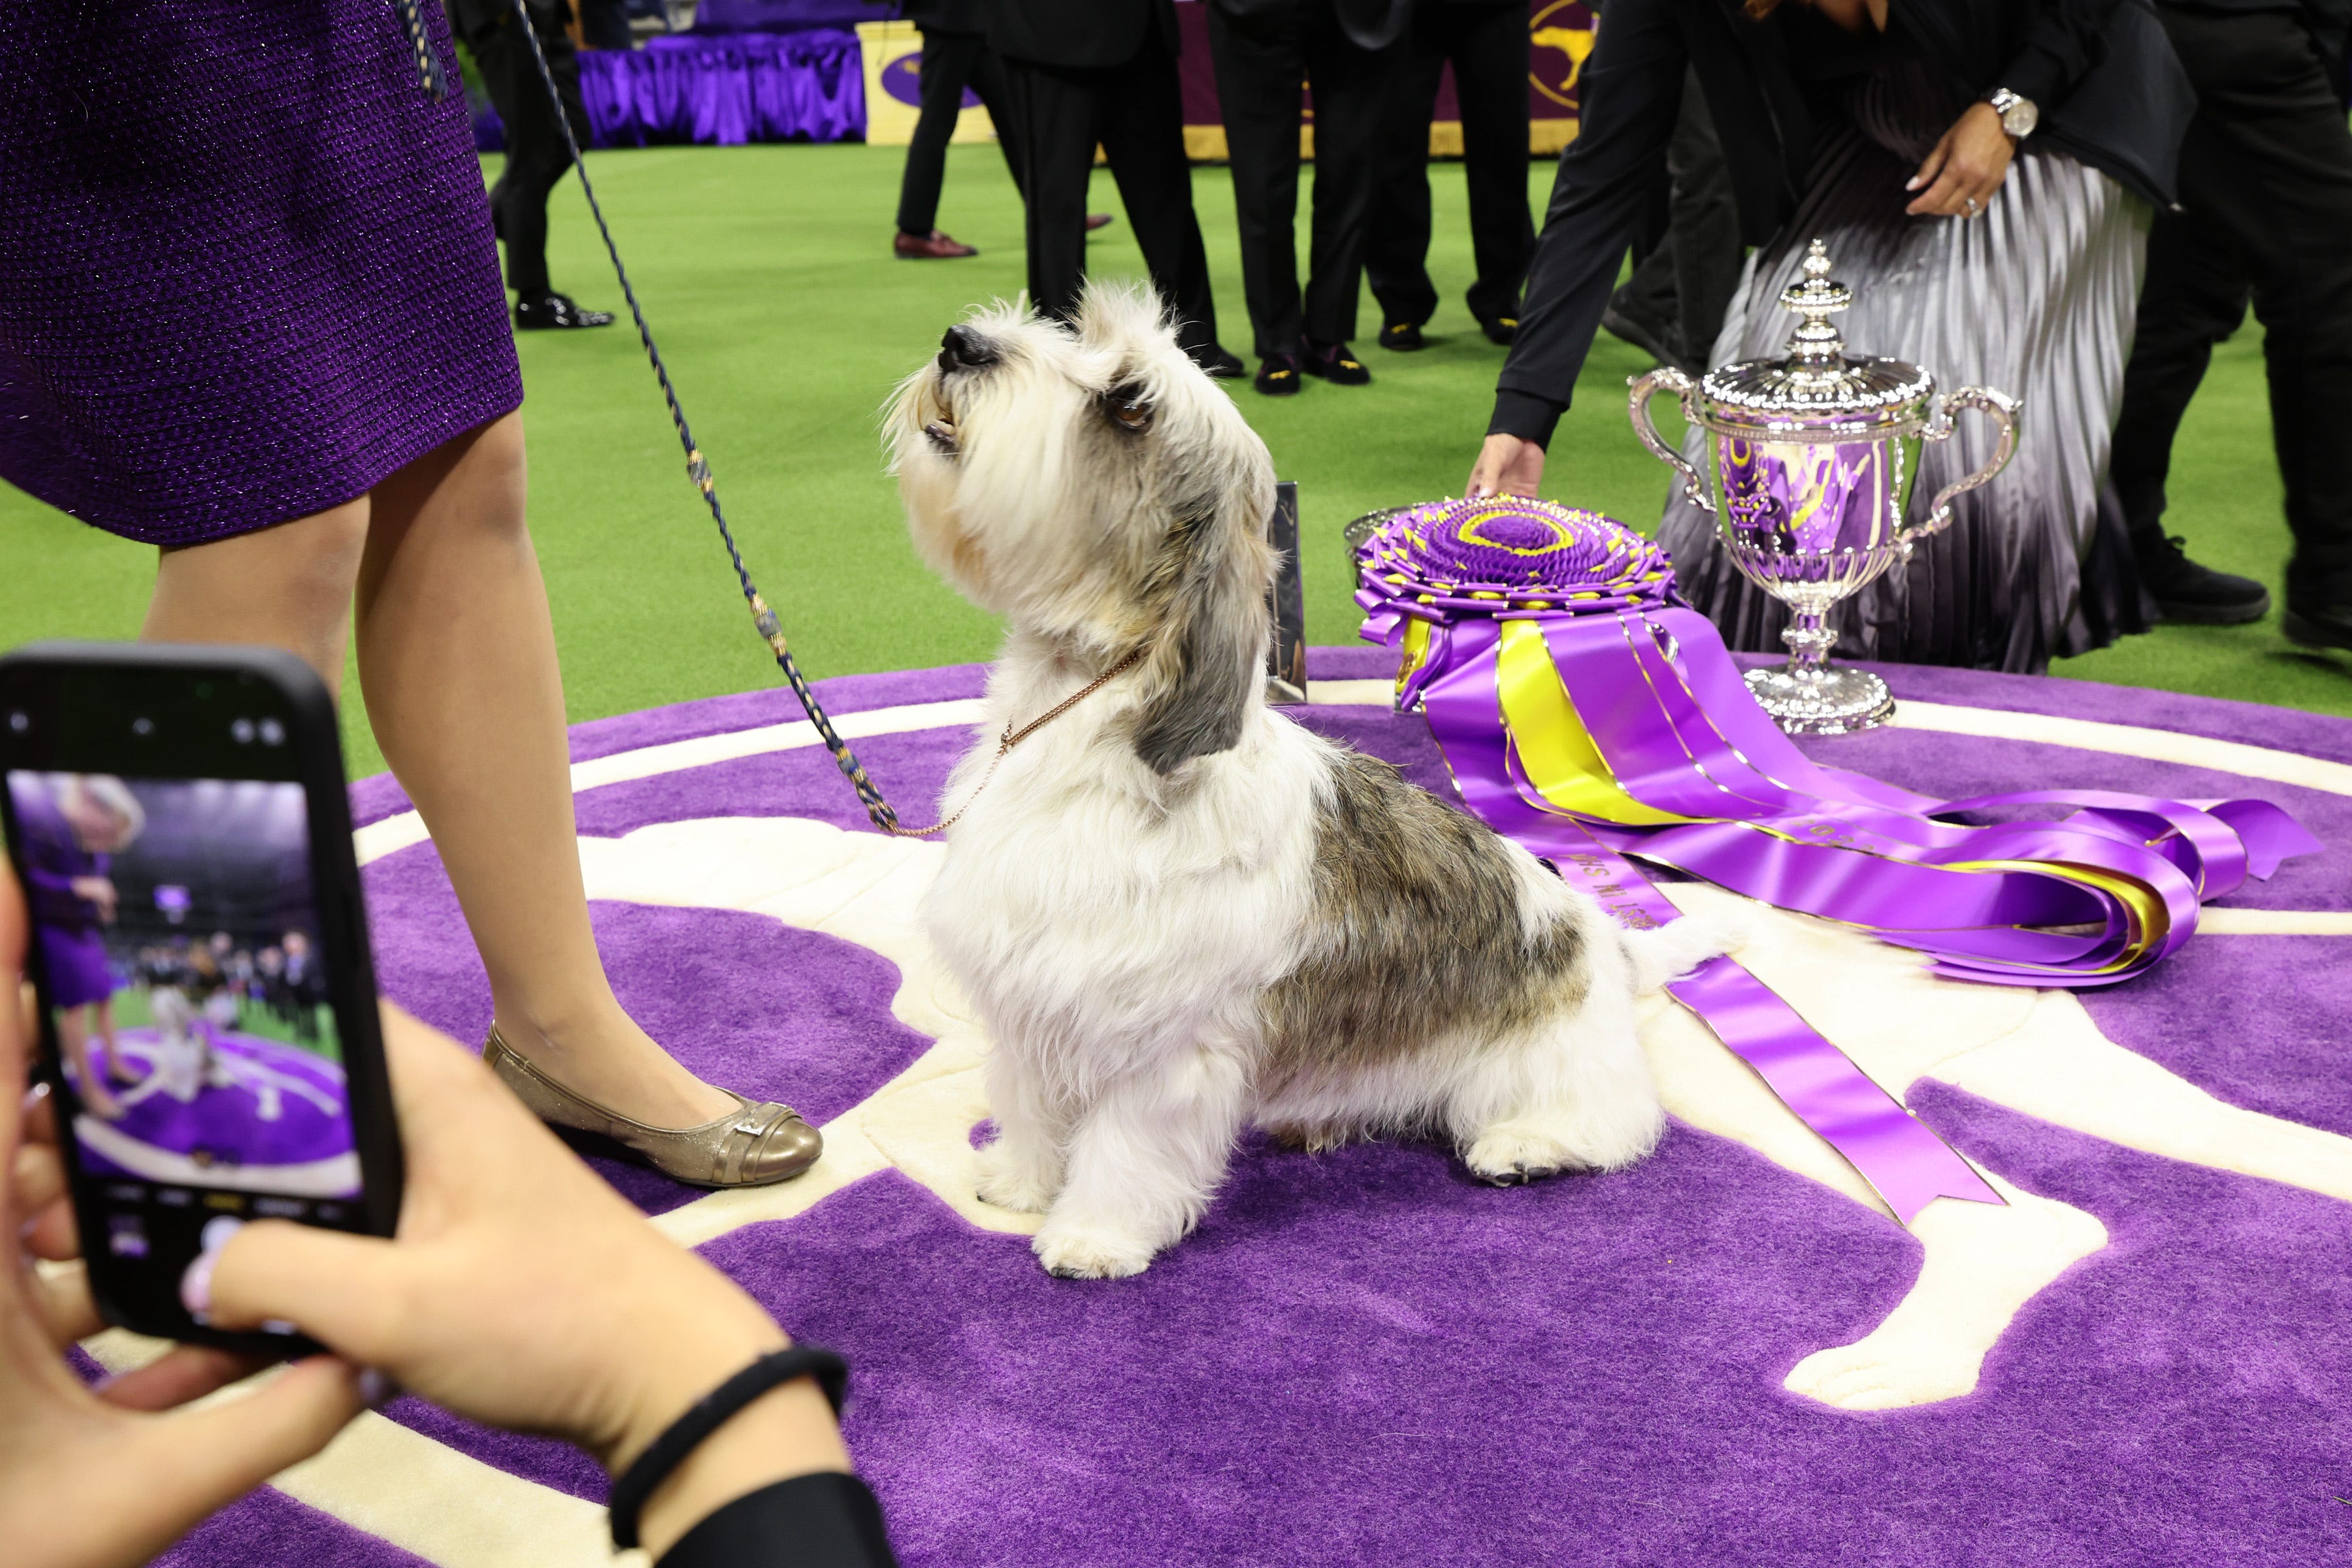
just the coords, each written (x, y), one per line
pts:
(177, 819)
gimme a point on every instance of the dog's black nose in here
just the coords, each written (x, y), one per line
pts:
(963, 349)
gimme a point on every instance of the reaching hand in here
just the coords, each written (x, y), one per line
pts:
(1965, 168)
(97, 890)
(112, 1476)
(522, 1291)
(1506, 466)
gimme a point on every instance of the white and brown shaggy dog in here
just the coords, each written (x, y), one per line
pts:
(1176, 911)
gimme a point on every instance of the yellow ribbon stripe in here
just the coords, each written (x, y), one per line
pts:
(1564, 763)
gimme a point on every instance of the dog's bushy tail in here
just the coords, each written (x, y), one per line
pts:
(1670, 952)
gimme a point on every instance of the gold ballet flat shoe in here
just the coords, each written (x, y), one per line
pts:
(752, 1146)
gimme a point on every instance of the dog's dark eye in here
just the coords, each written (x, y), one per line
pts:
(1128, 409)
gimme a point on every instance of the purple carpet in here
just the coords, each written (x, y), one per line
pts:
(1363, 1357)
(262, 1112)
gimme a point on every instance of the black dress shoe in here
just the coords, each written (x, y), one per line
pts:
(1279, 376)
(1403, 336)
(2186, 591)
(1097, 220)
(1500, 330)
(1652, 338)
(556, 310)
(1216, 362)
(2319, 626)
(1336, 363)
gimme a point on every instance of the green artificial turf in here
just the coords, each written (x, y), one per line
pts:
(766, 275)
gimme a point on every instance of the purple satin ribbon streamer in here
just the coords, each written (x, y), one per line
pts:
(1675, 750)
(1678, 730)
(1904, 1162)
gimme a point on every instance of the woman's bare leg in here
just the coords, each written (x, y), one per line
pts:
(289, 586)
(116, 1069)
(457, 658)
(73, 1032)
(457, 661)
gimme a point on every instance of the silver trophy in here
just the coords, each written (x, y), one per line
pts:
(1811, 478)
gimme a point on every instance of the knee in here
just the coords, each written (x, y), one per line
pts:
(324, 558)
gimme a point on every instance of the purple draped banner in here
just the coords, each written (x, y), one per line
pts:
(722, 89)
(1590, 715)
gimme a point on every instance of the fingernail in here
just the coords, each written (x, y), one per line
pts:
(376, 1391)
(196, 1286)
(1911, 184)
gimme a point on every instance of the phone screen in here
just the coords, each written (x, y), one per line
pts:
(175, 929)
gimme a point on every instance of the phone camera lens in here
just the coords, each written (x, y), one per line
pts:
(142, 727)
(19, 722)
(241, 731)
(273, 733)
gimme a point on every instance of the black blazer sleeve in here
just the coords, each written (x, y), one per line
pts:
(1632, 90)
(824, 1520)
(2064, 39)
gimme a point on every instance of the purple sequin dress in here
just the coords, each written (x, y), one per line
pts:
(73, 942)
(246, 264)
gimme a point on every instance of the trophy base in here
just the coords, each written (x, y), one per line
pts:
(1831, 700)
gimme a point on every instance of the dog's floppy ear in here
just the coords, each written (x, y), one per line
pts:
(1212, 578)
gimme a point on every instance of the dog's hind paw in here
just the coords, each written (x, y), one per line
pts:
(1011, 1183)
(1085, 1252)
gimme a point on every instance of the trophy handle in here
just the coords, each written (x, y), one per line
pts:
(2002, 409)
(1667, 379)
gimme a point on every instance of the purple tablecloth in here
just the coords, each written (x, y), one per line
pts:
(722, 90)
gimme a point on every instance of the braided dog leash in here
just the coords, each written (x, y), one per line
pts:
(434, 81)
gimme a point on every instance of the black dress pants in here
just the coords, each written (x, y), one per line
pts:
(1686, 264)
(2266, 211)
(951, 62)
(1488, 48)
(536, 157)
(1135, 113)
(1260, 60)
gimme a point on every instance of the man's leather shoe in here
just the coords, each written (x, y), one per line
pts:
(1660, 342)
(1097, 220)
(2319, 626)
(1403, 336)
(1499, 329)
(1214, 361)
(550, 311)
(2186, 591)
(1336, 363)
(1279, 376)
(932, 247)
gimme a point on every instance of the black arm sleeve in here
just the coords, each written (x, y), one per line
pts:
(2064, 39)
(825, 1520)
(1631, 89)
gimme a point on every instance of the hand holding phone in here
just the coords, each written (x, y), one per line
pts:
(178, 821)
(113, 1475)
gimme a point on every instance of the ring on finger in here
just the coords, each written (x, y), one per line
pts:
(1973, 206)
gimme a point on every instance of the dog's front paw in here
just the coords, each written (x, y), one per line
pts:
(1071, 1251)
(1508, 1156)
(1010, 1182)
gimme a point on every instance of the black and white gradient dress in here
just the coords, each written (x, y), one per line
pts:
(2035, 296)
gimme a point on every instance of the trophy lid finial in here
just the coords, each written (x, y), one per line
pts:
(1816, 342)
(1817, 382)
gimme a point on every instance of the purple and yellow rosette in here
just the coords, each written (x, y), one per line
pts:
(1588, 713)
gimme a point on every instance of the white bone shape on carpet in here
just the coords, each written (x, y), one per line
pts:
(2039, 1053)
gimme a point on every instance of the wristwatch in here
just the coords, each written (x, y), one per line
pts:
(2018, 115)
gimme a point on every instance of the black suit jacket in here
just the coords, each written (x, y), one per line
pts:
(1081, 34)
(969, 18)
(1369, 24)
(2110, 91)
